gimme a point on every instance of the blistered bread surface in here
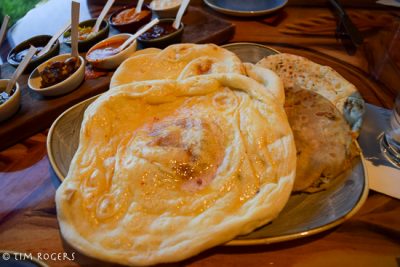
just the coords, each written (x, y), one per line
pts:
(167, 169)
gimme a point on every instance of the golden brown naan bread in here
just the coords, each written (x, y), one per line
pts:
(167, 169)
(323, 140)
(299, 72)
(177, 62)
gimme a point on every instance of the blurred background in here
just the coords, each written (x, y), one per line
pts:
(16, 9)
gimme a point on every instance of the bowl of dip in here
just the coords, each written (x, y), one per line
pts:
(161, 35)
(125, 20)
(58, 75)
(105, 55)
(9, 104)
(165, 8)
(86, 38)
(17, 54)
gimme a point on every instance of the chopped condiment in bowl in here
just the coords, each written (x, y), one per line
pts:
(58, 75)
(9, 103)
(87, 38)
(4, 96)
(58, 71)
(84, 32)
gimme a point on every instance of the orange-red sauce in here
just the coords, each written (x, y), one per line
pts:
(128, 16)
(106, 49)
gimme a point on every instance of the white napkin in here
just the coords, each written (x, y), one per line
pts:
(395, 3)
(383, 176)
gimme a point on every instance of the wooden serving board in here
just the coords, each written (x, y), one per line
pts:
(37, 113)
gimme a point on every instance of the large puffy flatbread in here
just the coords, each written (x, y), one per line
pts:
(178, 61)
(167, 169)
(268, 78)
(299, 72)
(324, 141)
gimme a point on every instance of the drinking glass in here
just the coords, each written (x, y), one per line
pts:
(390, 139)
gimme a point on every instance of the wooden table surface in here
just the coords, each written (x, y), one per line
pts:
(28, 221)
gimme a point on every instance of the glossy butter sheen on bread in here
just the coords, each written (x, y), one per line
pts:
(167, 169)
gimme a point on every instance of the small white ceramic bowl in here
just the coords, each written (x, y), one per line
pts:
(8, 108)
(112, 62)
(61, 88)
(163, 13)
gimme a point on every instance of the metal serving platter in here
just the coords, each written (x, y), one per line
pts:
(303, 215)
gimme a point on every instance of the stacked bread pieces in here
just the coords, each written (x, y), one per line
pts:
(188, 149)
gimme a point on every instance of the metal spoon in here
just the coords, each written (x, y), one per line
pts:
(53, 40)
(139, 5)
(20, 70)
(74, 28)
(3, 29)
(103, 13)
(137, 34)
(182, 8)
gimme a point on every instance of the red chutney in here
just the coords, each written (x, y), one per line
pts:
(159, 30)
(107, 49)
(128, 16)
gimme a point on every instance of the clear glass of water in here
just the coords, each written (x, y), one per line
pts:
(390, 139)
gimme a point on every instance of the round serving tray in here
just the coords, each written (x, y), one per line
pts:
(303, 215)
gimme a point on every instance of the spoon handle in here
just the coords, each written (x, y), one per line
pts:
(20, 69)
(139, 5)
(179, 16)
(102, 15)
(74, 28)
(53, 40)
(138, 33)
(3, 29)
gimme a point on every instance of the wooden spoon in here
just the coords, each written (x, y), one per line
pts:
(53, 40)
(74, 28)
(137, 34)
(102, 15)
(3, 29)
(138, 8)
(20, 69)
(182, 8)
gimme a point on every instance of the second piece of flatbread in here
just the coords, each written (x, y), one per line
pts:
(299, 72)
(324, 142)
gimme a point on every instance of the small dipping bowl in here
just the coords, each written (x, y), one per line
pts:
(84, 45)
(163, 12)
(61, 88)
(164, 40)
(11, 105)
(130, 26)
(113, 61)
(38, 41)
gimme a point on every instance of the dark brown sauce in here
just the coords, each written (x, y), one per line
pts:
(159, 30)
(18, 57)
